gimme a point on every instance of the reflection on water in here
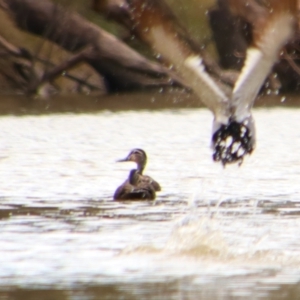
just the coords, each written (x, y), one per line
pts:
(169, 289)
(212, 233)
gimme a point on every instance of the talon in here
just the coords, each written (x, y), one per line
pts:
(231, 142)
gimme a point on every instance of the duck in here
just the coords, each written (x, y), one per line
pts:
(139, 156)
(134, 188)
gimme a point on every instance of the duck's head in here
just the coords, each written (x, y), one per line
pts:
(138, 156)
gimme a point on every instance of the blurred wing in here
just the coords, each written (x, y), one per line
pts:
(154, 23)
(192, 69)
(260, 59)
(206, 88)
(147, 180)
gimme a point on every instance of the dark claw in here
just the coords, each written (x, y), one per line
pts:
(232, 142)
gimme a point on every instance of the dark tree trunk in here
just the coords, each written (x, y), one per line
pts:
(121, 67)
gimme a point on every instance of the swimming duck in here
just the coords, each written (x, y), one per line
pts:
(139, 156)
(134, 188)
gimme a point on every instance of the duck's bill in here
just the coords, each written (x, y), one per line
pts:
(122, 159)
(233, 141)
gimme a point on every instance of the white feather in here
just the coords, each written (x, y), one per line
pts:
(207, 89)
(192, 70)
(259, 62)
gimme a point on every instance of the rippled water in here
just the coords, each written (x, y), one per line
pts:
(212, 233)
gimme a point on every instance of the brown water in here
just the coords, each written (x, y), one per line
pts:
(212, 233)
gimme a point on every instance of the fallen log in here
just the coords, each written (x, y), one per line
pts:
(120, 66)
(128, 13)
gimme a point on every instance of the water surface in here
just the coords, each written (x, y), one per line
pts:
(212, 233)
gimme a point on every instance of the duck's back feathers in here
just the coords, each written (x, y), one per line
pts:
(145, 179)
(135, 188)
(134, 193)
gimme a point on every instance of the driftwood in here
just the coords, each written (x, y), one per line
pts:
(25, 75)
(121, 67)
(132, 15)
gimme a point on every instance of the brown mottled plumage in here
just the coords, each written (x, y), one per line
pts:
(134, 188)
(139, 156)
